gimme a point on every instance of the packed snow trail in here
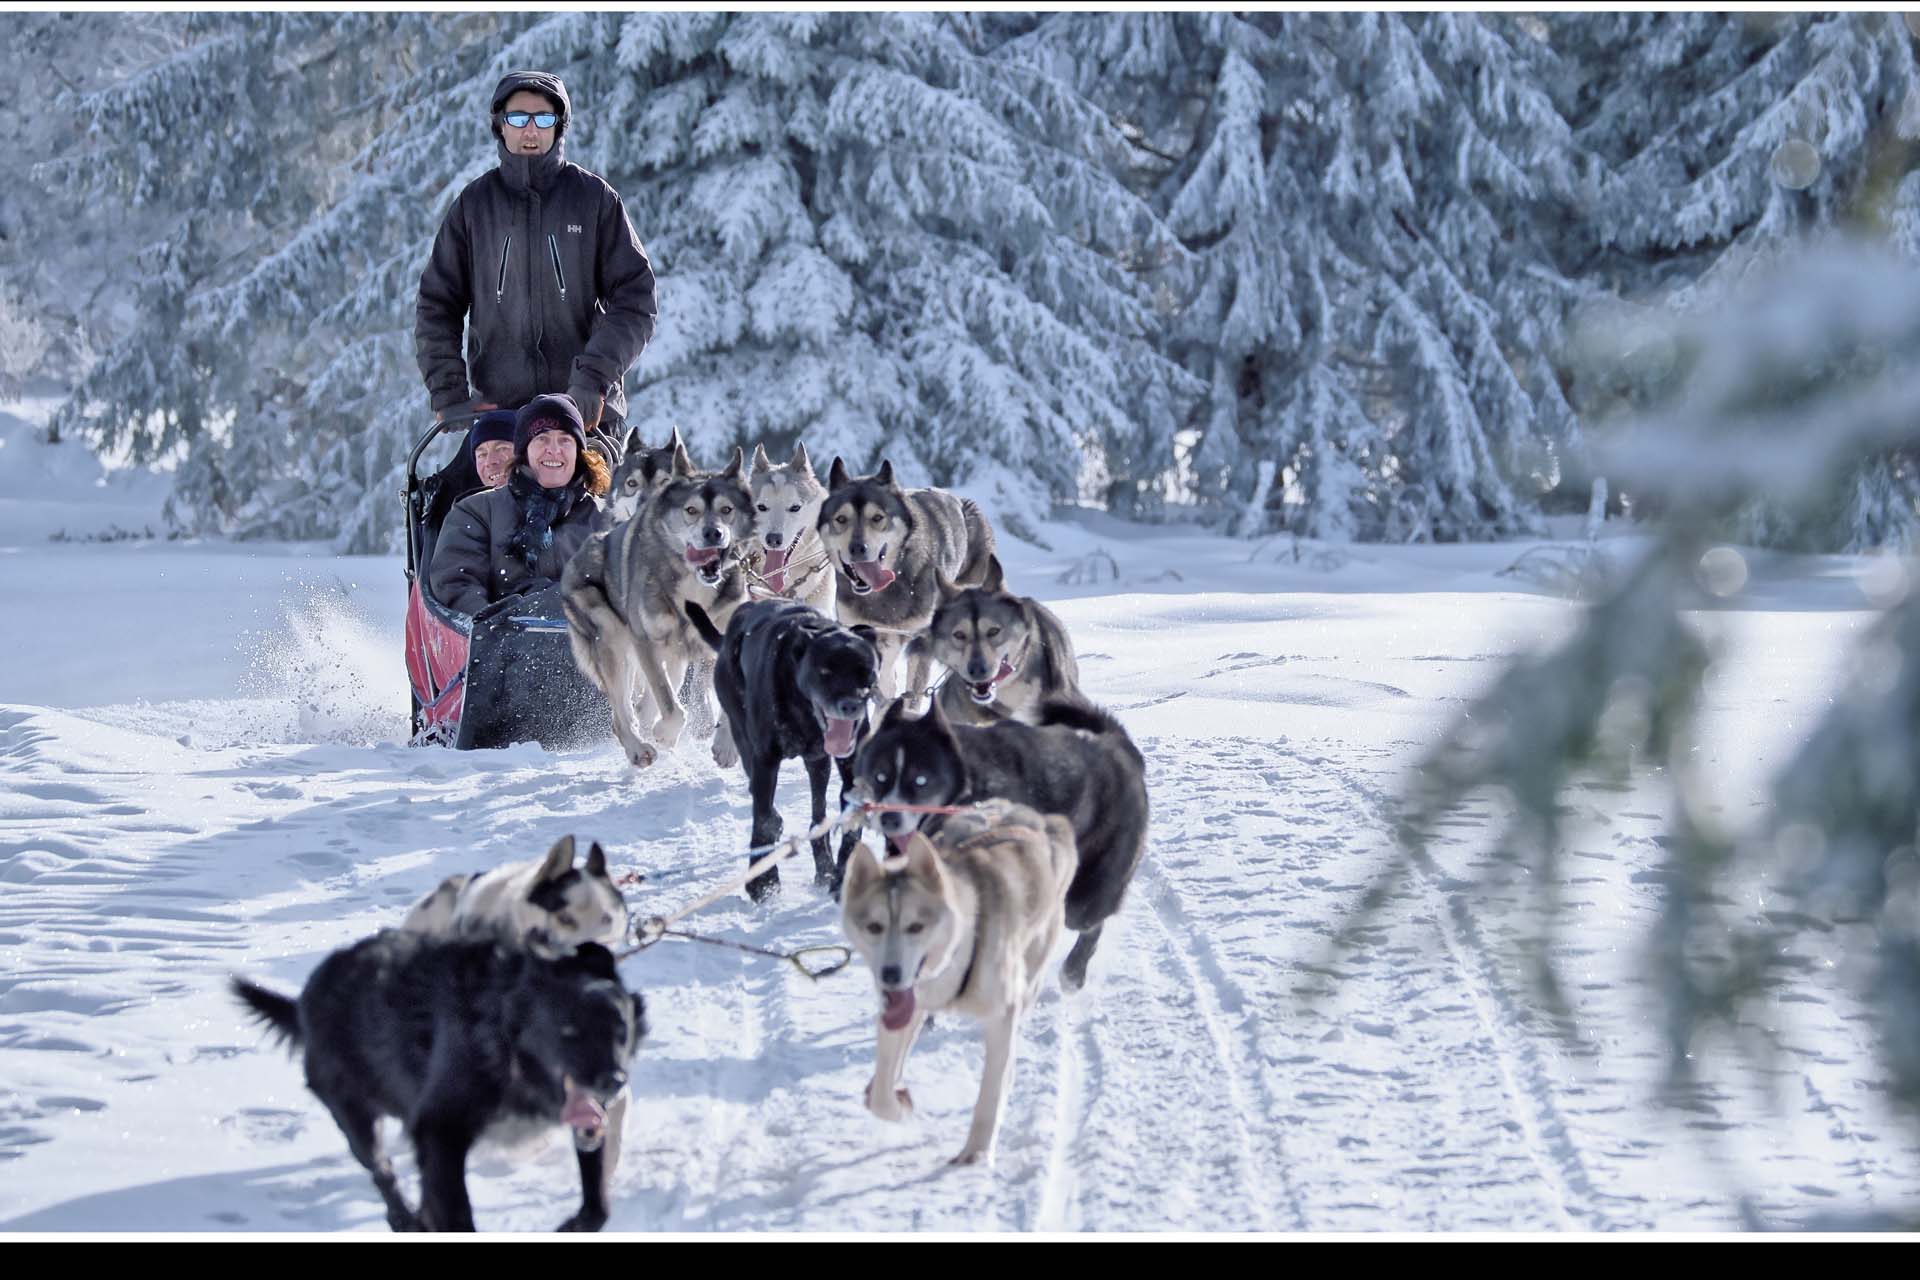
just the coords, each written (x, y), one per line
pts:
(1225, 1069)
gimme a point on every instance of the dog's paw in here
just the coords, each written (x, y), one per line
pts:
(764, 886)
(974, 1155)
(641, 755)
(585, 1220)
(724, 753)
(401, 1220)
(899, 1107)
(666, 730)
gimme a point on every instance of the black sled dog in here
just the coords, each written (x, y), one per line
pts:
(793, 682)
(461, 1038)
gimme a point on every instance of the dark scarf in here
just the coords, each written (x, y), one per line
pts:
(540, 509)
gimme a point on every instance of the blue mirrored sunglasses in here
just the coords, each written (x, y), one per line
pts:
(519, 119)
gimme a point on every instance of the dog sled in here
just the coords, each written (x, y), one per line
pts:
(506, 675)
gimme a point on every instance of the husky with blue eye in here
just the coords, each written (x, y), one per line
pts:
(1077, 762)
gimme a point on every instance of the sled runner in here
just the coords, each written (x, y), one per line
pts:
(506, 675)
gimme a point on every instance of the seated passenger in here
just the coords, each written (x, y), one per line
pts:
(490, 448)
(517, 539)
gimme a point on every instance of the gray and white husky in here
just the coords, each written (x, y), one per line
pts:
(888, 544)
(788, 558)
(640, 472)
(546, 902)
(625, 595)
(1006, 654)
(966, 925)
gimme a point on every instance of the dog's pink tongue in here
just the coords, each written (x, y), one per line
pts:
(896, 1009)
(702, 555)
(776, 568)
(876, 575)
(583, 1111)
(839, 737)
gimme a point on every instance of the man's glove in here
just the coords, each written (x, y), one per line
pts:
(590, 404)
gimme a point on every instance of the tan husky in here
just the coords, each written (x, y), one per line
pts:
(965, 926)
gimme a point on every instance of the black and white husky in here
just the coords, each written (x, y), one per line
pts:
(547, 903)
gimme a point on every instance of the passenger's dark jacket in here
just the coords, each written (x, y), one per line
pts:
(476, 562)
(538, 260)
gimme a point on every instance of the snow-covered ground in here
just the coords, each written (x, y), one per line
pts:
(201, 774)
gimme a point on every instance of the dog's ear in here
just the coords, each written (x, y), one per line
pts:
(923, 863)
(559, 859)
(682, 460)
(937, 719)
(733, 468)
(837, 474)
(866, 633)
(596, 960)
(597, 861)
(946, 586)
(800, 461)
(632, 441)
(760, 461)
(863, 866)
(884, 476)
(996, 578)
(896, 714)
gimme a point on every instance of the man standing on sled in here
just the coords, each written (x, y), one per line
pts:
(537, 261)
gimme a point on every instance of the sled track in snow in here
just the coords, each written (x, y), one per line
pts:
(1221, 1008)
(1527, 1085)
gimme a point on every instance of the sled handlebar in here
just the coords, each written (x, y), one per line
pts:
(453, 422)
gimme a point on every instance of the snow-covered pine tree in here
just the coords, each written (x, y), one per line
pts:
(1372, 300)
(886, 232)
(890, 234)
(1709, 143)
(1780, 383)
(58, 257)
(252, 141)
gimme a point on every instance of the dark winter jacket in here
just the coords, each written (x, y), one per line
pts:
(509, 541)
(538, 262)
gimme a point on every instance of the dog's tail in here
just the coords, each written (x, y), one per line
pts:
(1072, 713)
(704, 625)
(280, 1015)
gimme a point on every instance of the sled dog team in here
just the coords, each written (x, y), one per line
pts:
(1011, 807)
